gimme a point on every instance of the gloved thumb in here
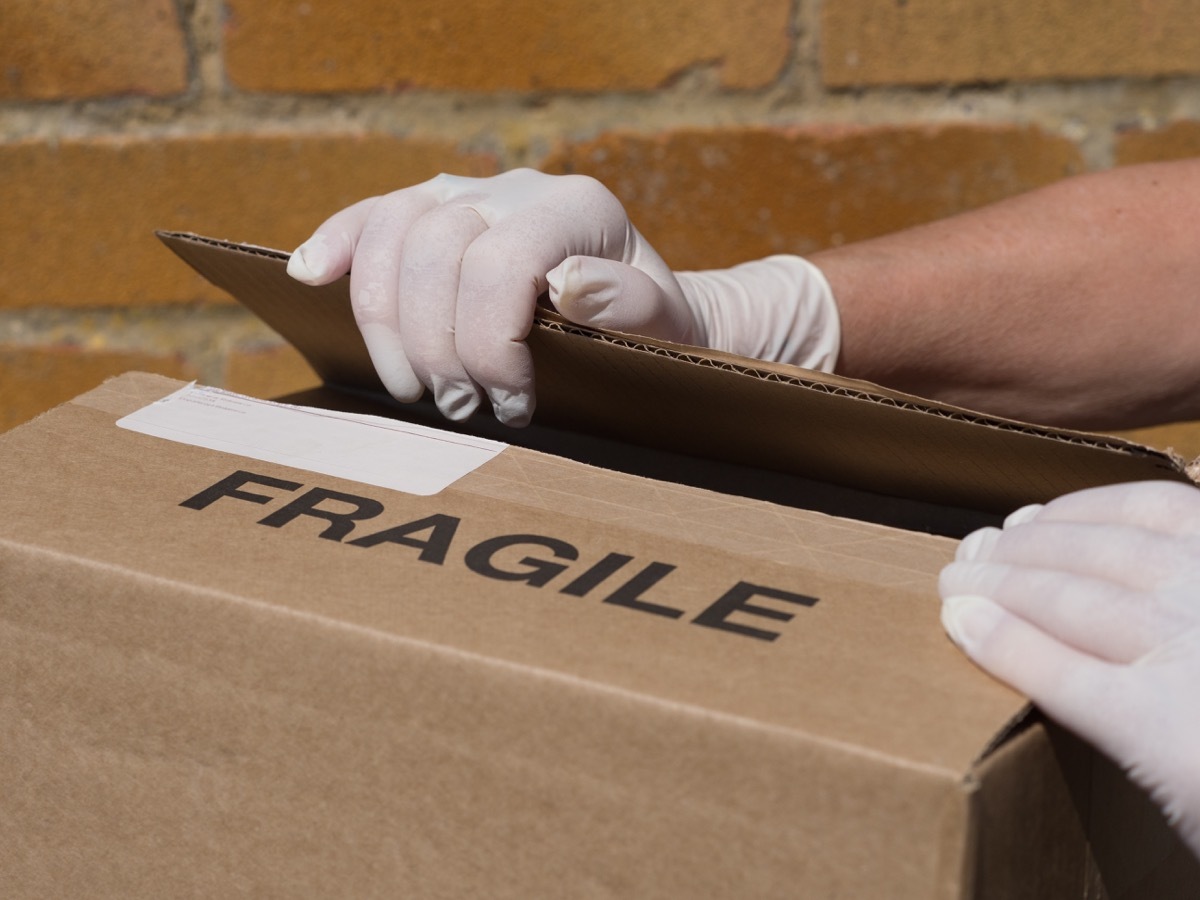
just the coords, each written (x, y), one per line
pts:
(606, 294)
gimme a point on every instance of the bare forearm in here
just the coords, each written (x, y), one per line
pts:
(1075, 304)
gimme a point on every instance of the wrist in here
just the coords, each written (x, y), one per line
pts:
(780, 308)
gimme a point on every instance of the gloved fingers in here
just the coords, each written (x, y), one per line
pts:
(329, 251)
(444, 278)
(430, 269)
(1144, 722)
(1095, 616)
(578, 211)
(503, 272)
(1164, 506)
(499, 283)
(1073, 687)
(1023, 515)
(1042, 631)
(374, 286)
(1126, 555)
(607, 294)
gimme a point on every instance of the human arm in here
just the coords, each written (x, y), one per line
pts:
(1073, 305)
(1069, 305)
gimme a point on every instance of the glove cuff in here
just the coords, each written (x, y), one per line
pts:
(780, 308)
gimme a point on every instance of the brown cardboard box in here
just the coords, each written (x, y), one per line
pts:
(560, 681)
(225, 676)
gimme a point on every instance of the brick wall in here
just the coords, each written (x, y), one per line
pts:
(731, 129)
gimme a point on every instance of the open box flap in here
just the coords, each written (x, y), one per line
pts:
(716, 405)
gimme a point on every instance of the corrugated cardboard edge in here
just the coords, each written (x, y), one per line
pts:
(811, 379)
(765, 370)
(840, 386)
(1014, 470)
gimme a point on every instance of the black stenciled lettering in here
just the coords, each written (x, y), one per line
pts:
(537, 572)
(736, 600)
(441, 530)
(228, 487)
(341, 522)
(596, 574)
(629, 594)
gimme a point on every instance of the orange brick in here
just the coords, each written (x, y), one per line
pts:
(1179, 140)
(956, 41)
(80, 216)
(488, 45)
(269, 372)
(34, 379)
(709, 198)
(72, 49)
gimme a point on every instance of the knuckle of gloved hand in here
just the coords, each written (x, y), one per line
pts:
(445, 185)
(487, 267)
(439, 232)
(1181, 503)
(590, 194)
(523, 173)
(390, 207)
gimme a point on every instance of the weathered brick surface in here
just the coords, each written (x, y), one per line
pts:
(489, 45)
(269, 372)
(79, 216)
(709, 198)
(35, 379)
(71, 49)
(957, 41)
(1179, 140)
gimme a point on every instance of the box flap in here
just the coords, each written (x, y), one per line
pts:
(712, 404)
(861, 664)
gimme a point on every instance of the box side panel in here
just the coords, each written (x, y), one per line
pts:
(1135, 853)
(958, 845)
(162, 741)
(702, 600)
(1032, 842)
(1058, 819)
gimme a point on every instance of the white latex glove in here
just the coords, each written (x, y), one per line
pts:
(445, 275)
(1090, 605)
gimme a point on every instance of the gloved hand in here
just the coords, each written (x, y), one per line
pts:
(1090, 605)
(444, 279)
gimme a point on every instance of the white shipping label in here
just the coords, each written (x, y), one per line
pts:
(369, 449)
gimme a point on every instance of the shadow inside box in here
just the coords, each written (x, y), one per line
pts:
(668, 466)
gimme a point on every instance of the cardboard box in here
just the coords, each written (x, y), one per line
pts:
(224, 675)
